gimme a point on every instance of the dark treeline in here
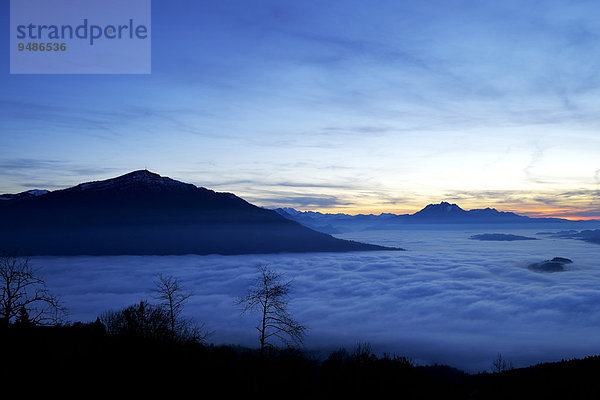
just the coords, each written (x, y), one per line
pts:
(87, 357)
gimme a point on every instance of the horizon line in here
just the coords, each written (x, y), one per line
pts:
(571, 216)
(357, 209)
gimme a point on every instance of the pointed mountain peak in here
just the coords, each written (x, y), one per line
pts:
(443, 207)
(445, 211)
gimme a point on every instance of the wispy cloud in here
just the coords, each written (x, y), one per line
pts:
(303, 201)
(103, 122)
(573, 203)
(26, 173)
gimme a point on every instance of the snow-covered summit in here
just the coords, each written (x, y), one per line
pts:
(24, 195)
(36, 192)
(289, 210)
(136, 179)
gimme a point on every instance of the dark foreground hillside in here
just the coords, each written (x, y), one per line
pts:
(84, 360)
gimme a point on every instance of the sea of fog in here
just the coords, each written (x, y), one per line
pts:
(447, 299)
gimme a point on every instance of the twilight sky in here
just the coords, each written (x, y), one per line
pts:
(345, 106)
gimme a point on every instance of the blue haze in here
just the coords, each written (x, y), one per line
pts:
(448, 299)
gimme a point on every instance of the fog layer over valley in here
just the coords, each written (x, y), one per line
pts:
(448, 299)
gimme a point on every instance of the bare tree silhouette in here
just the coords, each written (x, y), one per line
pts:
(269, 296)
(24, 295)
(172, 297)
(169, 292)
(500, 365)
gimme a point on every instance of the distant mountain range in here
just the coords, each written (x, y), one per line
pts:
(143, 213)
(442, 213)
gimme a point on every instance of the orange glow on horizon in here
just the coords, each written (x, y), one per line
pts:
(576, 218)
(532, 212)
(564, 213)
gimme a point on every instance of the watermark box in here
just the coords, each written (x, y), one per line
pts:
(80, 36)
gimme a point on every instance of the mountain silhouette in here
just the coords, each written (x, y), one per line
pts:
(447, 212)
(442, 213)
(442, 210)
(23, 195)
(143, 213)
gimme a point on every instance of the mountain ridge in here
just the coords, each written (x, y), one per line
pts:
(143, 213)
(442, 213)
